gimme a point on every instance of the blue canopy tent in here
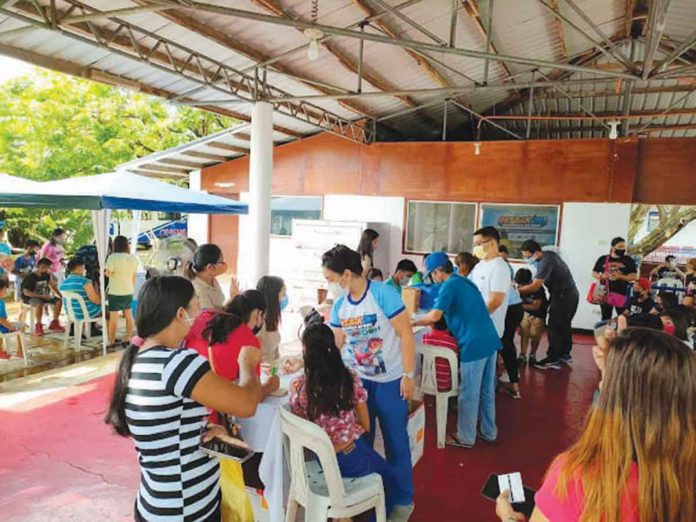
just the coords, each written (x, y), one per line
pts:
(103, 193)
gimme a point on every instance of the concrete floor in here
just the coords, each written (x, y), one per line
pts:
(60, 462)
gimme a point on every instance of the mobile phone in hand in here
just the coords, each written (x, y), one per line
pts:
(491, 491)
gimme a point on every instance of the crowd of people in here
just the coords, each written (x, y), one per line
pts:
(198, 358)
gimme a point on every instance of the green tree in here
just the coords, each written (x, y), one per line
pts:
(54, 126)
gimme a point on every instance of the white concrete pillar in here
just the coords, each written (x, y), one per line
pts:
(197, 226)
(260, 172)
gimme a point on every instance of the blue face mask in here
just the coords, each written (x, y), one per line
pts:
(532, 262)
(284, 302)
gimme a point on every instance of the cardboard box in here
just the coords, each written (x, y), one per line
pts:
(416, 429)
(411, 298)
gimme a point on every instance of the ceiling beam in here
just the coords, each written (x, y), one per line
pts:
(206, 156)
(126, 40)
(227, 147)
(229, 41)
(657, 15)
(421, 58)
(472, 9)
(94, 74)
(398, 42)
(181, 163)
(676, 53)
(557, 27)
(608, 48)
(576, 116)
(154, 173)
(275, 7)
(550, 94)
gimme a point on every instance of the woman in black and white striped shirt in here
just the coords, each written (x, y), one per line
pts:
(160, 398)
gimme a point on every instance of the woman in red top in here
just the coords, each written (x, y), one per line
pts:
(636, 457)
(220, 335)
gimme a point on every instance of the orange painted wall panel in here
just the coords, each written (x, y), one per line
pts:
(551, 171)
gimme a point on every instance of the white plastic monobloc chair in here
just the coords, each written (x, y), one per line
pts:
(428, 384)
(19, 339)
(79, 324)
(318, 486)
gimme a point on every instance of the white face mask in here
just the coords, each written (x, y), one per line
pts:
(335, 290)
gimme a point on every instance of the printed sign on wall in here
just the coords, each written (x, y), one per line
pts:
(517, 223)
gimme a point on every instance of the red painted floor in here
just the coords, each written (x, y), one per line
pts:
(60, 462)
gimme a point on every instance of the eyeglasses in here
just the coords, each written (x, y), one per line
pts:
(481, 243)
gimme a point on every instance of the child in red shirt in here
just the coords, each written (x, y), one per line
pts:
(439, 335)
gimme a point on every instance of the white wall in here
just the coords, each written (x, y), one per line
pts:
(197, 223)
(586, 233)
(375, 209)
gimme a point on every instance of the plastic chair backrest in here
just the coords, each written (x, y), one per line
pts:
(429, 372)
(304, 434)
(68, 298)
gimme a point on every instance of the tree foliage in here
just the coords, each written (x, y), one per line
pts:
(54, 126)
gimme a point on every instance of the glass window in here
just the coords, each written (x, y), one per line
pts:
(286, 208)
(433, 226)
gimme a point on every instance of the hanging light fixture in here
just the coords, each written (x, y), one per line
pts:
(312, 34)
(614, 129)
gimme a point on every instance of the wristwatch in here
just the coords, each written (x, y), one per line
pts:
(408, 375)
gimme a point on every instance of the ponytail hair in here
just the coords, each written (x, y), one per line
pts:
(329, 383)
(158, 303)
(237, 312)
(208, 254)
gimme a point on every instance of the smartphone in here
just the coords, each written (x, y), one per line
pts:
(223, 450)
(491, 491)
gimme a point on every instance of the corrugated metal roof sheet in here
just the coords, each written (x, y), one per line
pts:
(523, 28)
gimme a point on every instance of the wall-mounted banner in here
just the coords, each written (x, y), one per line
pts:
(517, 223)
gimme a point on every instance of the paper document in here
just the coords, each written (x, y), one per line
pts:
(513, 483)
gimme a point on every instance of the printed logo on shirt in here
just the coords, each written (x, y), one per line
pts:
(362, 350)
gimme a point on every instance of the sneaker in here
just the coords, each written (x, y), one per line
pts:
(504, 378)
(56, 327)
(402, 513)
(567, 359)
(548, 364)
(38, 330)
(522, 360)
(485, 439)
(532, 359)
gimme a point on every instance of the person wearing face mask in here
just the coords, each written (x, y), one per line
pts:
(276, 297)
(24, 264)
(402, 275)
(616, 271)
(161, 398)
(461, 304)
(553, 272)
(220, 335)
(641, 301)
(493, 277)
(53, 250)
(372, 329)
(40, 289)
(203, 270)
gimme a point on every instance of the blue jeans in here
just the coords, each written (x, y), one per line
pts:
(477, 399)
(384, 402)
(362, 461)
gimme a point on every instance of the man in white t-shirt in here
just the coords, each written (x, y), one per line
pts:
(491, 275)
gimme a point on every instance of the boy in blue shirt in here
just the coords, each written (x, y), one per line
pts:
(462, 305)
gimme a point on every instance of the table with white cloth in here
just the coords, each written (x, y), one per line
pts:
(264, 435)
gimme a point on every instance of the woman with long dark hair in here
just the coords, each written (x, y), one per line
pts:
(636, 457)
(160, 399)
(366, 248)
(333, 397)
(374, 333)
(276, 297)
(616, 271)
(220, 335)
(203, 270)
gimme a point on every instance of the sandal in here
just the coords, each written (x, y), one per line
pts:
(452, 440)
